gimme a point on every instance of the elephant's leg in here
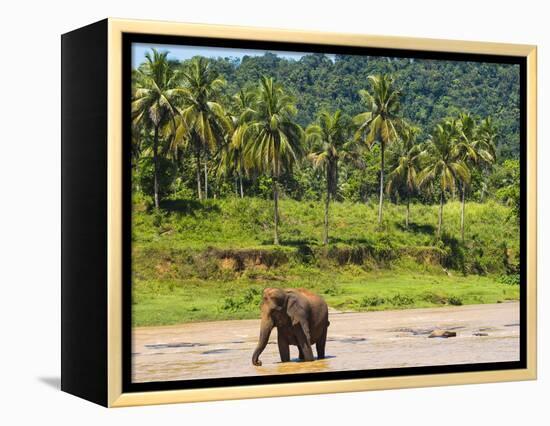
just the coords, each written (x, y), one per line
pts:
(284, 350)
(300, 353)
(304, 345)
(321, 345)
(305, 329)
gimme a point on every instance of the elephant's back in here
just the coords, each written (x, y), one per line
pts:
(319, 313)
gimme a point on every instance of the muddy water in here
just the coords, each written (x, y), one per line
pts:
(356, 341)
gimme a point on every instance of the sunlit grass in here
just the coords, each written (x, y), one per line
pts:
(174, 301)
(248, 222)
(185, 262)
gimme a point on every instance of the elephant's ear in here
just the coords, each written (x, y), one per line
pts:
(294, 309)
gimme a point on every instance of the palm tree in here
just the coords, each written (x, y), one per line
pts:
(330, 139)
(470, 155)
(231, 163)
(274, 139)
(155, 102)
(379, 123)
(476, 150)
(204, 120)
(487, 135)
(407, 159)
(444, 164)
(232, 155)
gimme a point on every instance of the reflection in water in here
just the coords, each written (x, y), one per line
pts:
(297, 367)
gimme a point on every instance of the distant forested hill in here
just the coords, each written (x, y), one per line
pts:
(432, 89)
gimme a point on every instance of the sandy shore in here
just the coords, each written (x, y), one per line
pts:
(356, 341)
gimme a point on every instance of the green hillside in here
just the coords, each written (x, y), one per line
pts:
(433, 89)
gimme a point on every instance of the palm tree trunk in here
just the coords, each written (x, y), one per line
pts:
(408, 211)
(236, 186)
(330, 176)
(198, 160)
(440, 221)
(381, 200)
(276, 211)
(205, 177)
(482, 192)
(327, 201)
(241, 184)
(156, 167)
(462, 208)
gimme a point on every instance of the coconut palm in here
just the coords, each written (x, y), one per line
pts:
(470, 157)
(155, 102)
(232, 155)
(445, 167)
(379, 123)
(487, 137)
(407, 164)
(273, 138)
(330, 139)
(476, 151)
(204, 119)
(231, 163)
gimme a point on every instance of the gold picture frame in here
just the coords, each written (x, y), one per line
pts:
(116, 28)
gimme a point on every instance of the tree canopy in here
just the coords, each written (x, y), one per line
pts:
(436, 129)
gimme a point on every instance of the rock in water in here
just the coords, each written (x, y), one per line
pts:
(442, 333)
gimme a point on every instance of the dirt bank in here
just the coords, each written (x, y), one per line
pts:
(356, 341)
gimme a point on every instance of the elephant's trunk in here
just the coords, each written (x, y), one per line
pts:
(265, 331)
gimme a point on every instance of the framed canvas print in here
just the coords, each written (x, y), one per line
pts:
(253, 212)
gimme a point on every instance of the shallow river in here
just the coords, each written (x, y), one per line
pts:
(356, 341)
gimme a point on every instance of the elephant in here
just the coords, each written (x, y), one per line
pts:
(301, 318)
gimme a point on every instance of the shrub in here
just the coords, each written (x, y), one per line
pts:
(454, 257)
(455, 301)
(383, 248)
(231, 304)
(249, 300)
(434, 298)
(368, 301)
(252, 296)
(401, 300)
(333, 290)
(206, 266)
(510, 279)
(166, 175)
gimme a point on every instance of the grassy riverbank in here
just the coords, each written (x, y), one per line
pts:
(197, 261)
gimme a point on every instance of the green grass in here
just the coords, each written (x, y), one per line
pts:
(210, 261)
(246, 223)
(172, 301)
